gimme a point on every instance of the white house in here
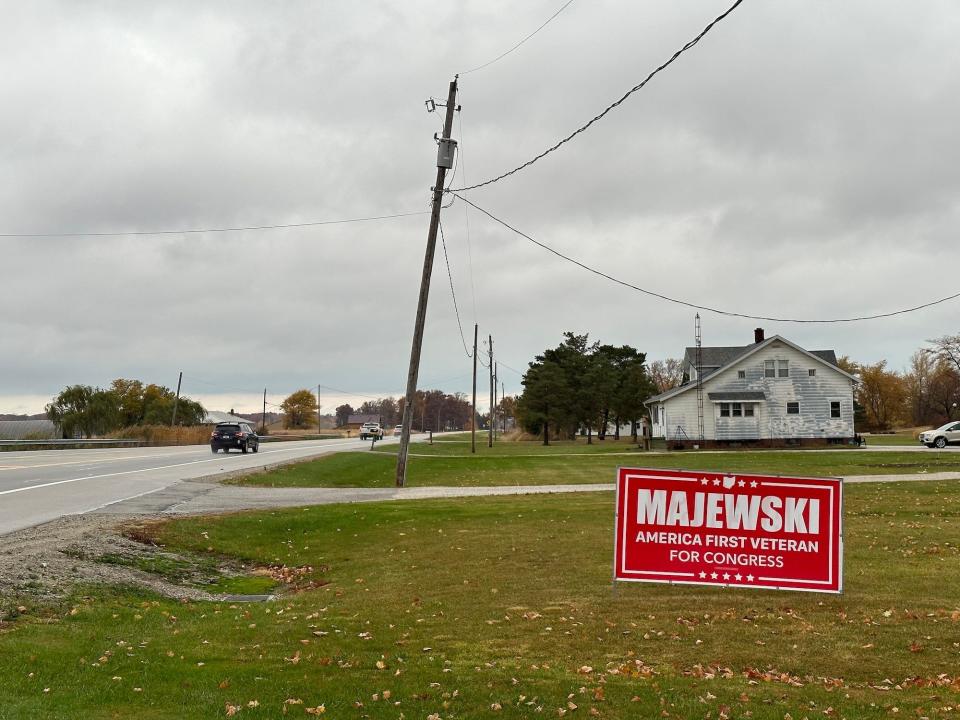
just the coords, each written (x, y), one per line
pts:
(770, 392)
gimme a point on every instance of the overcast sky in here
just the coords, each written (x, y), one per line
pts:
(799, 162)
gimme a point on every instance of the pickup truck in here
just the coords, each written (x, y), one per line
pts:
(371, 430)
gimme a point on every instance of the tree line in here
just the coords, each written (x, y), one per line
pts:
(580, 384)
(89, 411)
(925, 393)
(433, 410)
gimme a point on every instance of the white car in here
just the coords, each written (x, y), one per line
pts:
(942, 436)
(371, 430)
(398, 430)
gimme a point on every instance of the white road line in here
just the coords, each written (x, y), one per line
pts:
(85, 460)
(162, 467)
(98, 477)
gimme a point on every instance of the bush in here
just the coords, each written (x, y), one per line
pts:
(166, 435)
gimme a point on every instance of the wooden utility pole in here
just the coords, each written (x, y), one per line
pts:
(263, 420)
(444, 161)
(176, 402)
(493, 416)
(318, 409)
(490, 358)
(473, 418)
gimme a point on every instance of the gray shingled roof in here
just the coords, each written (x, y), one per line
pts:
(714, 357)
(828, 355)
(717, 357)
(737, 396)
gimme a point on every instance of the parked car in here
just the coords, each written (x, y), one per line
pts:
(228, 435)
(942, 436)
(398, 430)
(371, 430)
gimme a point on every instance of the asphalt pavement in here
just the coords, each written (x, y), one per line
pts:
(39, 486)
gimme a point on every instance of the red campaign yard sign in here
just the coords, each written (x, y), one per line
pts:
(708, 528)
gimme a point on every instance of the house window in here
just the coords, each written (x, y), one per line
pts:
(737, 410)
(782, 369)
(748, 410)
(834, 408)
(769, 368)
(812, 372)
(793, 408)
(724, 409)
(741, 374)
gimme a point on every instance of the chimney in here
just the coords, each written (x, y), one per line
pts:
(758, 335)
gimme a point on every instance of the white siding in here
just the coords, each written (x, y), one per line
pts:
(681, 411)
(770, 419)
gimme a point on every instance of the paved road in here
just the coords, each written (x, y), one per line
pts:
(42, 485)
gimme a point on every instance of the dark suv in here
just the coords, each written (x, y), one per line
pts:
(233, 435)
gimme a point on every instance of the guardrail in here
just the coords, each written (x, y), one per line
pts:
(68, 442)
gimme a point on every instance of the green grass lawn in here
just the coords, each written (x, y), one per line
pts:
(449, 462)
(899, 438)
(502, 607)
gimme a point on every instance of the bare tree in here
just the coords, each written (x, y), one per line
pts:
(947, 349)
(666, 374)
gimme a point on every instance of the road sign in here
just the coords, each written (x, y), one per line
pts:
(728, 529)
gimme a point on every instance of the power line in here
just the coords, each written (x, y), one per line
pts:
(444, 380)
(453, 293)
(707, 308)
(193, 231)
(347, 392)
(510, 368)
(630, 92)
(504, 54)
(217, 386)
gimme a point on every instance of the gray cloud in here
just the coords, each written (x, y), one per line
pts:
(798, 162)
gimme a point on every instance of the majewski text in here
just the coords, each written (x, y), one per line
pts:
(771, 513)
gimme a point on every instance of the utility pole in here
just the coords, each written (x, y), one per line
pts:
(493, 417)
(473, 418)
(263, 420)
(176, 402)
(318, 409)
(444, 162)
(490, 358)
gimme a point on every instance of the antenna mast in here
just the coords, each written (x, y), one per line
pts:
(699, 380)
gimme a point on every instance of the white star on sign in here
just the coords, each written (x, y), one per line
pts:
(716, 481)
(702, 574)
(753, 483)
(726, 576)
(749, 578)
(713, 576)
(703, 481)
(738, 577)
(742, 483)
